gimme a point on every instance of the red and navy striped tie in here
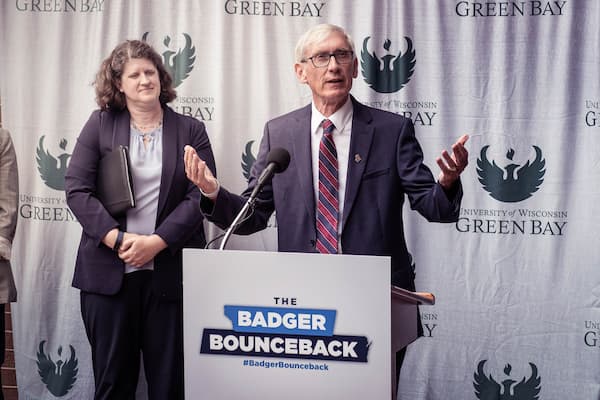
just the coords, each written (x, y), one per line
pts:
(327, 207)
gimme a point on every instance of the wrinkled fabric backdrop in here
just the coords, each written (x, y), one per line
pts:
(516, 279)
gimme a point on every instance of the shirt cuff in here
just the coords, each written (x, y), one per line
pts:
(212, 195)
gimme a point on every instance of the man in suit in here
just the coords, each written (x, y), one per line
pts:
(9, 192)
(379, 159)
(372, 161)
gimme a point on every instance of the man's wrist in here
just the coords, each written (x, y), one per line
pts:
(450, 189)
(213, 195)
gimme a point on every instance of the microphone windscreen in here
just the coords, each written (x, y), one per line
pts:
(280, 157)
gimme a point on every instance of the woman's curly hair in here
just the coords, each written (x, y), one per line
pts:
(108, 78)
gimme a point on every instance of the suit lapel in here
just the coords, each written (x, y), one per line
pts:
(121, 130)
(301, 137)
(169, 157)
(360, 144)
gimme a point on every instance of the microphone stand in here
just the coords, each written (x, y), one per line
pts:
(236, 221)
(278, 160)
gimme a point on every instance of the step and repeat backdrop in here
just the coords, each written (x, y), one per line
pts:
(517, 278)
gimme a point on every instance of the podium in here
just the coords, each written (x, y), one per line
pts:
(292, 325)
(404, 317)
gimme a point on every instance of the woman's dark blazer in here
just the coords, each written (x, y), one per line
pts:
(179, 223)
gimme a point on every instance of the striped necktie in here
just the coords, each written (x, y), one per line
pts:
(327, 207)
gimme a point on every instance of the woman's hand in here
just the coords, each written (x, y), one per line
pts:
(137, 250)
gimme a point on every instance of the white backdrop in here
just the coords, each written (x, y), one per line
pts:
(516, 280)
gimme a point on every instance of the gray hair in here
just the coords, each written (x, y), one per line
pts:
(317, 34)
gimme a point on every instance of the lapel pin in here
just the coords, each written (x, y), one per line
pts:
(357, 158)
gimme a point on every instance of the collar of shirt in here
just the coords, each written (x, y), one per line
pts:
(341, 119)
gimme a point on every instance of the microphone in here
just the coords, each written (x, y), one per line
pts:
(278, 160)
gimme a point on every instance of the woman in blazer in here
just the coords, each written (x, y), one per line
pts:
(128, 266)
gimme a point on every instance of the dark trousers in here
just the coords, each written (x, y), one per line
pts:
(130, 323)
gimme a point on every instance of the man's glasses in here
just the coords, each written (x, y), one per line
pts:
(321, 60)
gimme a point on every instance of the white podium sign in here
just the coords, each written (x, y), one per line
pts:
(260, 325)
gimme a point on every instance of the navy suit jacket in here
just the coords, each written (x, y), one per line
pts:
(385, 164)
(98, 269)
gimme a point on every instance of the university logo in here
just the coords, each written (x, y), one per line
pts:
(178, 63)
(514, 182)
(391, 72)
(486, 388)
(248, 160)
(60, 376)
(52, 171)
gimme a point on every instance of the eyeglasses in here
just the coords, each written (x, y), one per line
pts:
(322, 60)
